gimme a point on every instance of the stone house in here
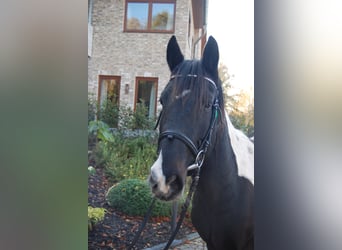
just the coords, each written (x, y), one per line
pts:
(127, 42)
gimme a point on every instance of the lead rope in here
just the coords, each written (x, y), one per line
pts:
(184, 208)
(143, 224)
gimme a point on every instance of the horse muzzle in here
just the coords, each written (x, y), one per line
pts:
(164, 188)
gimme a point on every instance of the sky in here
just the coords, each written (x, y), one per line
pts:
(231, 23)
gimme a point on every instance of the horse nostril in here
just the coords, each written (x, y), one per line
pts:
(172, 179)
(153, 183)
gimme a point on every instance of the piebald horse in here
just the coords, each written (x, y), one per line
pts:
(192, 126)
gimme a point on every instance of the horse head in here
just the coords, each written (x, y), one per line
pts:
(189, 101)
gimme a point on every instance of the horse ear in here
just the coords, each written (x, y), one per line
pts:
(174, 55)
(211, 55)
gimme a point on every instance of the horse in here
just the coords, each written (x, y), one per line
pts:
(193, 127)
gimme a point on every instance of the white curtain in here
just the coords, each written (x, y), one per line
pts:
(152, 101)
(169, 21)
(104, 90)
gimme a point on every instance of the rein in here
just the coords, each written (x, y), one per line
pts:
(199, 154)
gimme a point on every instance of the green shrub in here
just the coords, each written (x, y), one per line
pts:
(101, 130)
(126, 157)
(108, 112)
(95, 215)
(134, 159)
(125, 118)
(133, 197)
(102, 153)
(140, 119)
(91, 108)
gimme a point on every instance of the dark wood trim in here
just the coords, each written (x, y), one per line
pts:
(149, 17)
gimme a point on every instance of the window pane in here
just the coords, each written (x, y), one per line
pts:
(109, 88)
(109, 91)
(137, 14)
(147, 96)
(162, 16)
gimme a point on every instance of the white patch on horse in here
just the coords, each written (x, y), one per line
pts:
(158, 175)
(244, 151)
(184, 93)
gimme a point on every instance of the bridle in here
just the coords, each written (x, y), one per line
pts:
(198, 152)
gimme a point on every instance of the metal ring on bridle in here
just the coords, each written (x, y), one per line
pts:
(200, 158)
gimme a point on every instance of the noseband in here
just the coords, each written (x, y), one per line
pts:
(198, 152)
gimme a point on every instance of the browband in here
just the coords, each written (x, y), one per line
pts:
(189, 75)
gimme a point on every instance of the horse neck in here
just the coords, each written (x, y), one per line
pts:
(219, 170)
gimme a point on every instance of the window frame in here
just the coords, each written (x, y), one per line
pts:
(108, 77)
(149, 17)
(155, 80)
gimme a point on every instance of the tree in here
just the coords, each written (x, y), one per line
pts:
(238, 103)
(229, 99)
(133, 23)
(160, 21)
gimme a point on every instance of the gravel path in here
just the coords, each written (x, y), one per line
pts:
(190, 242)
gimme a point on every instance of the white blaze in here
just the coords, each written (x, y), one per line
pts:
(184, 93)
(158, 175)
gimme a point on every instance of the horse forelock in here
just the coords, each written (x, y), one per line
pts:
(190, 77)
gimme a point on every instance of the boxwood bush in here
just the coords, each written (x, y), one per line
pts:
(133, 197)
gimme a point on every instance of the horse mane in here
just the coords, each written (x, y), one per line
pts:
(197, 85)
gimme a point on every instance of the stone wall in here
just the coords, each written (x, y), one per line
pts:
(131, 55)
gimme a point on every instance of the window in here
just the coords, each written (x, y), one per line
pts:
(146, 93)
(150, 16)
(108, 98)
(109, 89)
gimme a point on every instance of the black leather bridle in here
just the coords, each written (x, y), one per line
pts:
(198, 152)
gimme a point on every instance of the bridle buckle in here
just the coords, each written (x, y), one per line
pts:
(198, 161)
(200, 158)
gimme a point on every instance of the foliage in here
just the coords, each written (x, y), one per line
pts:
(125, 118)
(126, 157)
(160, 20)
(236, 103)
(243, 118)
(121, 117)
(91, 170)
(140, 119)
(108, 112)
(225, 77)
(91, 108)
(95, 215)
(133, 197)
(240, 121)
(101, 130)
(102, 153)
(123, 156)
